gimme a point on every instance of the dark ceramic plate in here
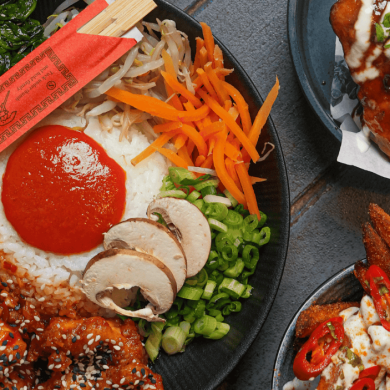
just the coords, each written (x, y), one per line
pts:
(206, 363)
(341, 287)
(312, 46)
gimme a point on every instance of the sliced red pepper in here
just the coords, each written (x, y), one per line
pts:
(321, 350)
(380, 288)
(9, 266)
(371, 372)
(364, 383)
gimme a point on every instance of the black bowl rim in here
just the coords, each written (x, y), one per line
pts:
(306, 304)
(303, 73)
(285, 224)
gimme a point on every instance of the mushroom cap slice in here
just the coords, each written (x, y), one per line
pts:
(125, 269)
(144, 235)
(190, 226)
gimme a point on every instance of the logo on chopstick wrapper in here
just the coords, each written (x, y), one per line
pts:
(53, 72)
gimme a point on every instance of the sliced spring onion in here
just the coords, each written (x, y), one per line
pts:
(193, 281)
(233, 219)
(216, 211)
(203, 170)
(248, 291)
(144, 328)
(265, 235)
(222, 264)
(221, 240)
(216, 276)
(173, 194)
(229, 253)
(250, 255)
(173, 340)
(221, 330)
(235, 270)
(240, 209)
(232, 287)
(190, 317)
(209, 289)
(193, 196)
(168, 184)
(216, 298)
(216, 225)
(250, 223)
(217, 199)
(153, 342)
(202, 277)
(210, 190)
(185, 326)
(263, 220)
(208, 183)
(178, 174)
(199, 203)
(212, 262)
(199, 308)
(205, 325)
(191, 293)
(231, 198)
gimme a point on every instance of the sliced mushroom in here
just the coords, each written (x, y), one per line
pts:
(144, 235)
(125, 269)
(190, 226)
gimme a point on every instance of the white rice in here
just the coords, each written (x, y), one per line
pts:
(59, 275)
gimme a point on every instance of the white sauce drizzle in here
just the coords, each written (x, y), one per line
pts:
(362, 34)
(370, 72)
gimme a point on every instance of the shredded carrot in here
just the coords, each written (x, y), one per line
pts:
(156, 107)
(203, 57)
(212, 142)
(199, 46)
(168, 63)
(206, 83)
(231, 151)
(172, 156)
(215, 127)
(223, 71)
(223, 175)
(192, 134)
(181, 89)
(263, 114)
(183, 153)
(200, 160)
(180, 141)
(168, 126)
(216, 83)
(208, 41)
(228, 105)
(218, 57)
(158, 143)
(248, 189)
(174, 101)
(255, 180)
(206, 122)
(190, 146)
(190, 107)
(208, 163)
(229, 121)
(242, 106)
(232, 172)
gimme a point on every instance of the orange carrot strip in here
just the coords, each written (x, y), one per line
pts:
(169, 126)
(199, 45)
(208, 41)
(192, 134)
(235, 142)
(242, 106)
(189, 107)
(183, 153)
(216, 83)
(180, 141)
(200, 160)
(228, 105)
(183, 91)
(223, 175)
(190, 146)
(174, 101)
(206, 83)
(206, 122)
(208, 163)
(218, 57)
(158, 143)
(229, 121)
(168, 63)
(248, 189)
(212, 142)
(203, 57)
(232, 172)
(231, 151)
(156, 107)
(208, 131)
(255, 180)
(172, 156)
(263, 114)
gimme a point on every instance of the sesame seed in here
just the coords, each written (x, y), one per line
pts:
(17, 307)
(5, 342)
(122, 380)
(64, 336)
(105, 367)
(109, 382)
(17, 355)
(54, 348)
(10, 357)
(64, 384)
(90, 342)
(58, 366)
(134, 370)
(11, 335)
(113, 342)
(115, 386)
(4, 284)
(97, 338)
(39, 329)
(36, 318)
(89, 336)
(74, 339)
(51, 366)
(142, 371)
(58, 360)
(41, 299)
(117, 347)
(9, 281)
(136, 382)
(4, 295)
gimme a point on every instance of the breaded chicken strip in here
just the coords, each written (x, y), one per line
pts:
(315, 315)
(381, 222)
(360, 274)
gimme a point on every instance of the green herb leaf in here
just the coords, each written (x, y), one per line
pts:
(383, 290)
(386, 20)
(387, 46)
(380, 33)
(200, 179)
(331, 328)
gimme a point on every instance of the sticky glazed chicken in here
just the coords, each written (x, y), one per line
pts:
(346, 345)
(39, 352)
(363, 29)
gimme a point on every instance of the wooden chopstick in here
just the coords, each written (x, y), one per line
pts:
(118, 18)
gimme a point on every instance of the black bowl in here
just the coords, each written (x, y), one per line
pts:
(341, 287)
(206, 363)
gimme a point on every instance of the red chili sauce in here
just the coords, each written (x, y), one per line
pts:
(61, 191)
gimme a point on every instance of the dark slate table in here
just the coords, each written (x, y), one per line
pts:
(329, 200)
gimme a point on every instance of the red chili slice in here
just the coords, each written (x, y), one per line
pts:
(321, 350)
(371, 372)
(364, 383)
(380, 288)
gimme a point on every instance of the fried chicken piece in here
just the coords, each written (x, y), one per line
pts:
(381, 222)
(328, 381)
(360, 274)
(315, 315)
(12, 346)
(64, 337)
(22, 377)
